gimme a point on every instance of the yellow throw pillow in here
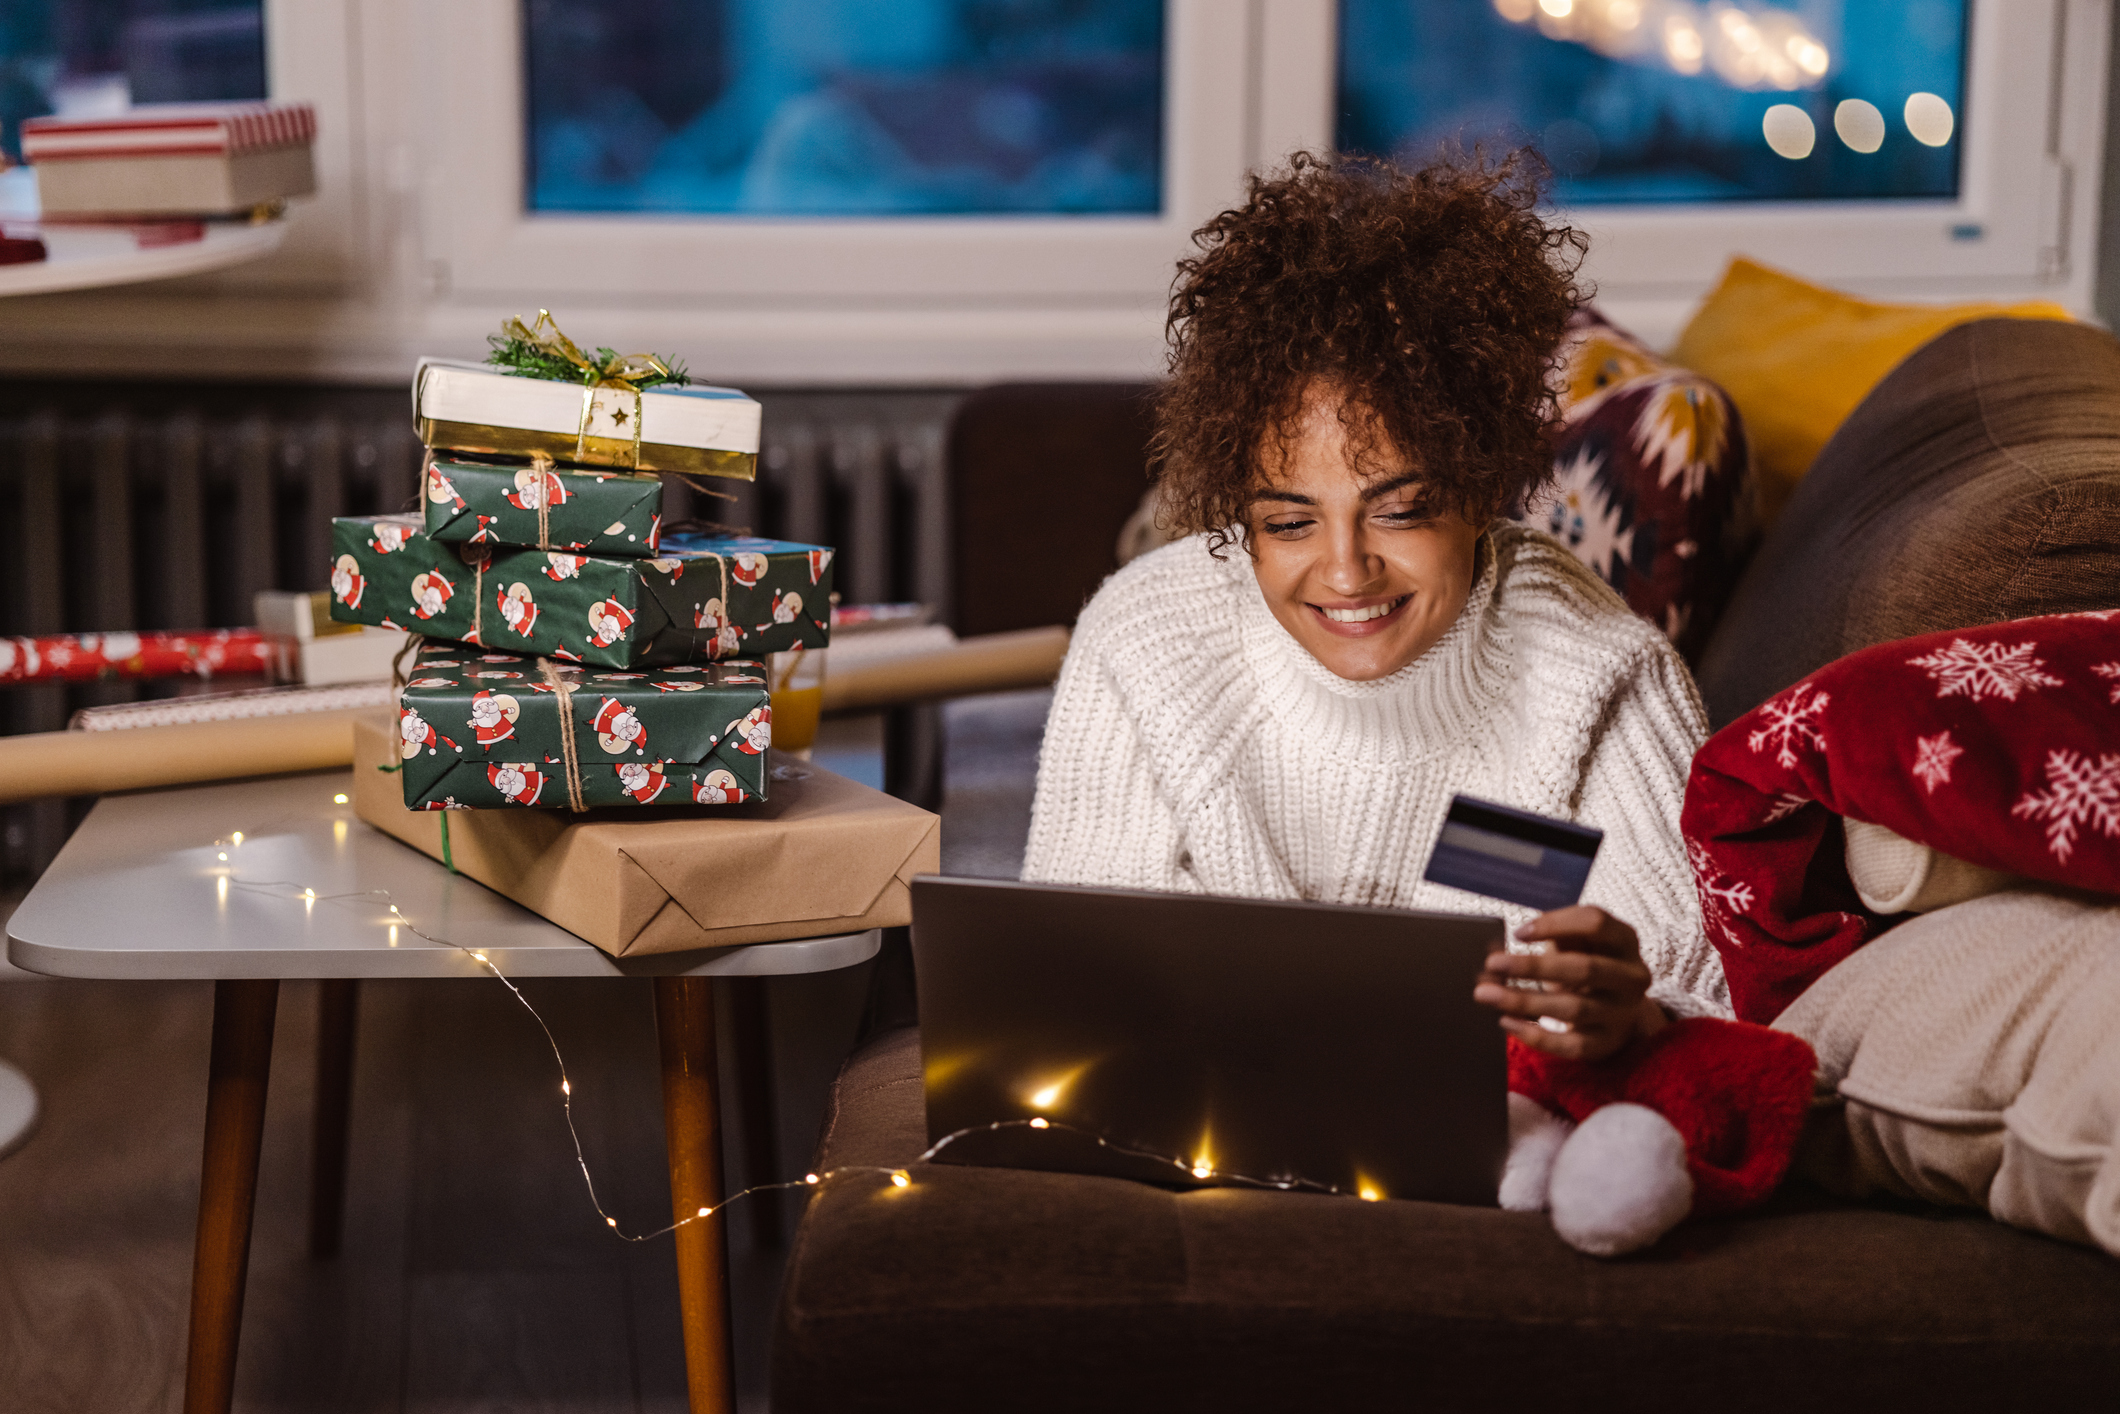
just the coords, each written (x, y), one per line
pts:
(1796, 358)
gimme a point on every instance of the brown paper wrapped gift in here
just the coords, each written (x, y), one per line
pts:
(824, 855)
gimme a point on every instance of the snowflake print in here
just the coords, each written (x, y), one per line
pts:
(2078, 792)
(1982, 670)
(1785, 805)
(1790, 724)
(2110, 672)
(1933, 756)
(1722, 899)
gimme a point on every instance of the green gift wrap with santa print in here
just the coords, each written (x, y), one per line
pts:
(481, 731)
(700, 598)
(612, 514)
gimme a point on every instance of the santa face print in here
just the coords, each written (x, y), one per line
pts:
(346, 581)
(617, 729)
(608, 622)
(519, 782)
(493, 716)
(518, 609)
(753, 733)
(786, 607)
(1356, 561)
(429, 593)
(415, 735)
(643, 783)
(441, 490)
(717, 787)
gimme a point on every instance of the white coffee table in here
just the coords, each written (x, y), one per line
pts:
(153, 885)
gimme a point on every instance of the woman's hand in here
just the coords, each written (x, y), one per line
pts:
(1597, 986)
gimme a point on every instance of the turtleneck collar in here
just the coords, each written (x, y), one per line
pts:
(1450, 691)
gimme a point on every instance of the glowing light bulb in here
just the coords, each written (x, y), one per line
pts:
(1369, 1194)
(309, 894)
(1624, 15)
(224, 854)
(899, 1180)
(610, 1222)
(338, 800)
(1683, 45)
(1039, 1123)
(393, 908)
(1859, 125)
(1043, 1099)
(237, 837)
(809, 1178)
(1201, 1168)
(1559, 9)
(704, 1211)
(1789, 132)
(477, 956)
(1929, 119)
(566, 1087)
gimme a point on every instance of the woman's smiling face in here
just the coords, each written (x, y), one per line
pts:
(1356, 562)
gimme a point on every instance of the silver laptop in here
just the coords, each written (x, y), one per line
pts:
(1189, 1040)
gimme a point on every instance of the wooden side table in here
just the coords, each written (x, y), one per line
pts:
(153, 886)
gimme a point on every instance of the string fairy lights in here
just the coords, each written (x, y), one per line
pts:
(1200, 1167)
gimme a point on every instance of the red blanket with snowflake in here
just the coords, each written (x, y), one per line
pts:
(1999, 745)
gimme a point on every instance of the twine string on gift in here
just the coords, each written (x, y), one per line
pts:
(1201, 1167)
(570, 759)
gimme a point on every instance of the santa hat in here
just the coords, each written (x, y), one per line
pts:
(1701, 1118)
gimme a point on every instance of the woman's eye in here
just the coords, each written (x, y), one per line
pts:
(1289, 527)
(1406, 515)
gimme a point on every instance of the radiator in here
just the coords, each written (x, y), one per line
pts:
(140, 506)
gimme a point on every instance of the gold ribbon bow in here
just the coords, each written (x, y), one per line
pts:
(624, 372)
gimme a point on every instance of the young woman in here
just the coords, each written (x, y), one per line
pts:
(1283, 704)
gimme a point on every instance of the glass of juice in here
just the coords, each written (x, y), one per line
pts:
(797, 678)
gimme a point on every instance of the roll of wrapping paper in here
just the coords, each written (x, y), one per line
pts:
(81, 657)
(91, 763)
(50, 764)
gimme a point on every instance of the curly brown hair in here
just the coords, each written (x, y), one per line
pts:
(1431, 301)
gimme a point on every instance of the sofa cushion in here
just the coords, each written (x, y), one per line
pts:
(1979, 482)
(1652, 485)
(982, 1289)
(1799, 357)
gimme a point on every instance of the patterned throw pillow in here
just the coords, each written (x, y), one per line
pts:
(1652, 483)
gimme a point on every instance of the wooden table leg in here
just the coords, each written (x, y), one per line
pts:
(243, 1013)
(751, 1028)
(338, 1009)
(684, 1022)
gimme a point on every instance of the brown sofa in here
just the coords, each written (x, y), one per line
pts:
(1980, 482)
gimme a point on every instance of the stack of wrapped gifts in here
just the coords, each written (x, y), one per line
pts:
(575, 653)
(597, 688)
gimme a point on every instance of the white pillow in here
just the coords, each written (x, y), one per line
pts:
(1977, 1054)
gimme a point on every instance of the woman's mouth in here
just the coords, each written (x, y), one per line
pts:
(1360, 618)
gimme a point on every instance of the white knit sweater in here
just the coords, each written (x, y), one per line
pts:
(1195, 746)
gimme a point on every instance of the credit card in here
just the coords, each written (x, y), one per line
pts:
(1514, 855)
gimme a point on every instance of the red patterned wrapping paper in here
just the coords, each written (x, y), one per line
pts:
(83, 657)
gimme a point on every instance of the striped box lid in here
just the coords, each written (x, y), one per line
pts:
(171, 130)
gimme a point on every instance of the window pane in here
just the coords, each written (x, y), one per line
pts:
(846, 107)
(83, 57)
(1668, 100)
